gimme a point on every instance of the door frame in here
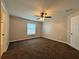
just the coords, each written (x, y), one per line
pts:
(69, 25)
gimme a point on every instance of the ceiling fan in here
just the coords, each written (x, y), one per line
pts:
(43, 15)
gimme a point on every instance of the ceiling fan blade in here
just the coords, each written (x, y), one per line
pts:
(48, 17)
(38, 18)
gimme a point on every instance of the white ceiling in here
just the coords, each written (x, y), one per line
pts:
(29, 8)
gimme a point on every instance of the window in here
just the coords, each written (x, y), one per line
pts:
(31, 29)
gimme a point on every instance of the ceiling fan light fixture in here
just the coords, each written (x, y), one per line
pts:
(42, 19)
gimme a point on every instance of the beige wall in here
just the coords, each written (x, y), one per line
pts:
(56, 29)
(18, 29)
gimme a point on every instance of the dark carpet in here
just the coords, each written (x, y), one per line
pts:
(40, 48)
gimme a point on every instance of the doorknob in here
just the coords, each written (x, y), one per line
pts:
(71, 33)
(2, 34)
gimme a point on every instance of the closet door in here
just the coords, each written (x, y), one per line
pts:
(3, 17)
(75, 31)
(4, 29)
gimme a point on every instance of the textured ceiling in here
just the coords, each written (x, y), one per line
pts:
(29, 8)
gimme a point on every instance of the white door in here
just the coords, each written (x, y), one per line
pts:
(4, 29)
(75, 32)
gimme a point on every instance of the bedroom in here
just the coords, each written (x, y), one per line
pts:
(48, 22)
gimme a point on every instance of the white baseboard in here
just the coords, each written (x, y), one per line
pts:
(23, 39)
(57, 40)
